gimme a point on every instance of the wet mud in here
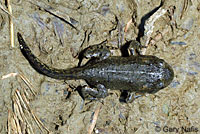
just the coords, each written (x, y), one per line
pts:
(57, 31)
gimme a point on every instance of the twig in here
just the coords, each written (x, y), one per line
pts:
(11, 24)
(24, 96)
(96, 113)
(17, 124)
(9, 75)
(185, 6)
(13, 124)
(21, 103)
(149, 26)
(26, 105)
(127, 25)
(17, 108)
(38, 122)
(26, 81)
(4, 9)
(62, 16)
(28, 109)
(9, 122)
(18, 95)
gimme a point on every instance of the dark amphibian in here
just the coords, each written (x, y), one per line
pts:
(136, 73)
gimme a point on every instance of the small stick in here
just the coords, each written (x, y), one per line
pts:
(96, 113)
(38, 122)
(4, 9)
(127, 25)
(185, 6)
(17, 124)
(9, 122)
(58, 14)
(20, 98)
(18, 95)
(9, 75)
(17, 98)
(13, 124)
(11, 24)
(17, 109)
(149, 26)
(26, 81)
(24, 96)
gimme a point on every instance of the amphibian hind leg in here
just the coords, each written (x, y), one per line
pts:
(96, 52)
(100, 51)
(135, 47)
(99, 92)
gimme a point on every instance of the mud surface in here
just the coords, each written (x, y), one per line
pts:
(56, 31)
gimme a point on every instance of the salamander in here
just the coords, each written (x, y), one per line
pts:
(135, 73)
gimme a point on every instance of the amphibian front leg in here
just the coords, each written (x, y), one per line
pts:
(135, 48)
(98, 52)
(95, 53)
